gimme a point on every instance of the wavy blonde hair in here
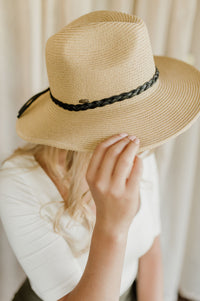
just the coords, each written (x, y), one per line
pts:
(74, 203)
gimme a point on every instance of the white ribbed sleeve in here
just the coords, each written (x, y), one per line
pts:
(44, 255)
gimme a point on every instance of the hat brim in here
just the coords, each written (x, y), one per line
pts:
(158, 114)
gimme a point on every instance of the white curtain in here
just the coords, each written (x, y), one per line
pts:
(25, 26)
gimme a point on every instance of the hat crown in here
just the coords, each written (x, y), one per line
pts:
(98, 55)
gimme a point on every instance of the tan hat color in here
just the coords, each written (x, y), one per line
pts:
(100, 55)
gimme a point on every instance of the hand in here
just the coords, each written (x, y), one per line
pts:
(113, 175)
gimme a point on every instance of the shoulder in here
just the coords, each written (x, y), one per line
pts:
(17, 165)
(15, 187)
(17, 168)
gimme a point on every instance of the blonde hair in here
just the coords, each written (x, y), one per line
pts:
(76, 163)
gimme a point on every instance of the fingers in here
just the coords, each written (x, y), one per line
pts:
(109, 160)
(124, 164)
(135, 174)
(98, 155)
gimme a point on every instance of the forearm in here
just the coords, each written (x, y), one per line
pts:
(150, 278)
(102, 276)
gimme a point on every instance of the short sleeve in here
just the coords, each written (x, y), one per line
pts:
(44, 255)
(156, 197)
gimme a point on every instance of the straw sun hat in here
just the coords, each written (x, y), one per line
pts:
(104, 80)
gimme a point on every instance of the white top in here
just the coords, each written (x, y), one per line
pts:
(44, 255)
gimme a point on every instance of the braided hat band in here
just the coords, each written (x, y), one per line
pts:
(95, 103)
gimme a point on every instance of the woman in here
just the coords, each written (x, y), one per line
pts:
(20, 169)
(99, 235)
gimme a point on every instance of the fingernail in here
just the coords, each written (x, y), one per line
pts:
(137, 141)
(131, 137)
(123, 134)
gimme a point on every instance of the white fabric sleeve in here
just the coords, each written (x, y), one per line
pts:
(43, 254)
(156, 197)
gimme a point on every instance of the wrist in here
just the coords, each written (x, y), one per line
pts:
(110, 233)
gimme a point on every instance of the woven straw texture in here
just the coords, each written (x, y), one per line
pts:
(98, 55)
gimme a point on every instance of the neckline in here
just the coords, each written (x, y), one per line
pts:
(53, 190)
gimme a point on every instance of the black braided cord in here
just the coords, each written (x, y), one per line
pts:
(95, 103)
(29, 102)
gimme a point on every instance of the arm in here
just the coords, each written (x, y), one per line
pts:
(150, 274)
(116, 200)
(47, 259)
(102, 276)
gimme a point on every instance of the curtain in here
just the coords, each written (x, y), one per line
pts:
(25, 26)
